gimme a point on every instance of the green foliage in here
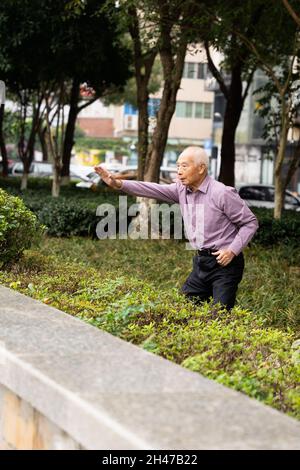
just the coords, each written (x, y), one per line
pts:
(59, 38)
(73, 213)
(19, 228)
(89, 279)
(129, 94)
(65, 218)
(285, 231)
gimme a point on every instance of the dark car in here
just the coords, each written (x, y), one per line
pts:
(258, 195)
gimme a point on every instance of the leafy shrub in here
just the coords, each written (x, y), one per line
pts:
(273, 232)
(66, 217)
(74, 212)
(19, 227)
(238, 349)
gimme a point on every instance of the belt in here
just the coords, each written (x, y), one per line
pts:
(205, 251)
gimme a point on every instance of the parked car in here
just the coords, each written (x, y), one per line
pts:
(45, 169)
(167, 175)
(259, 195)
(41, 169)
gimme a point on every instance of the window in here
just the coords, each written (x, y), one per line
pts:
(184, 109)
(207, 110)
(130, 110)
(189, 70)
(202, 71)
(203, 110)
(188, 109)
(195, 70)
(199, 111)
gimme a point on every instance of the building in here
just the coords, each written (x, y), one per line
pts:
(192, 120)
(97, 120)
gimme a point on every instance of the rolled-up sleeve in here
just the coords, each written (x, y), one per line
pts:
(163, 192)
(239, 213)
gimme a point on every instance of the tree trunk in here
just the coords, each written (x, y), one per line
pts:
(140, 225)
(2, 144)
(278, 206)
(173, 70)
(143, 123)
(279, 186)
(143, 64)
(26, 150)
(25, 175)
(24, 181)
(69, 134)
(42, 136)
(233, 110)
(56, 182)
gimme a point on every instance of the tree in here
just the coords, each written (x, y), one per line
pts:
(68, 49)
(140, 22)
(278, 56)
(173, 19)
(2, 140)
(25, 24)
(158, 27)
(235, 73)
(88, 48)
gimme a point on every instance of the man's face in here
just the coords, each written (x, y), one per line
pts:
(188, 172)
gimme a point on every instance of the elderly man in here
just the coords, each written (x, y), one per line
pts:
(227, 224)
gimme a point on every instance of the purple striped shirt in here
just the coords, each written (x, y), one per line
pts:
(214, 210)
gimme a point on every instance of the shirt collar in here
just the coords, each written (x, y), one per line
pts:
(203, 186)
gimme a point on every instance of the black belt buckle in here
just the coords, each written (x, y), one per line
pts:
(205, 251)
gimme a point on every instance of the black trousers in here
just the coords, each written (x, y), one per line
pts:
(209, 279)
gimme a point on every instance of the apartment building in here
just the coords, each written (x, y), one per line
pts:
(192, 120)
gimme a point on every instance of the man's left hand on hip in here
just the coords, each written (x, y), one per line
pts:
(224, 256)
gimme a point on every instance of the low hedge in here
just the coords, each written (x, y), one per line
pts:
(273, 232)
(19, 228)
(65, 217)
(74, 212)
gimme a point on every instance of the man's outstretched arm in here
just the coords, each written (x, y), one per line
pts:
(163, 192)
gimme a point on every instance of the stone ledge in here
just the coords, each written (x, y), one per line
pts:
(105, 393)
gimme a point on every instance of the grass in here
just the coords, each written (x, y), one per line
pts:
(130, 289)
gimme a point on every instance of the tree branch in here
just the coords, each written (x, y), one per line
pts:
(85, 105)
(215, 71)
(291, 11)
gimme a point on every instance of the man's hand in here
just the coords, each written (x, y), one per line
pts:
(108, 178)
(224, 256)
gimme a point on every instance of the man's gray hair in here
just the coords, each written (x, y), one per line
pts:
(199, 155)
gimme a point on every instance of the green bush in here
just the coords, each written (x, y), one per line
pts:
(66, 217)
(19, 227)
(285, 231)
(238, 348)
(74, 212)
